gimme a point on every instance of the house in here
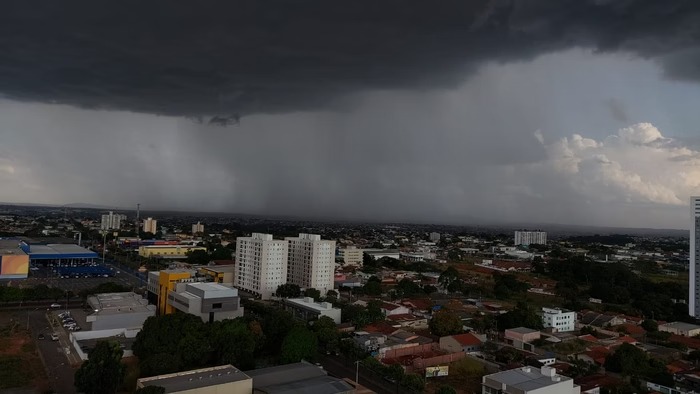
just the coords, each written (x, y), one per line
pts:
(467, 343)
(560, 320)
(592, 384)
(521, 337)
(408, 321)
(389, 309)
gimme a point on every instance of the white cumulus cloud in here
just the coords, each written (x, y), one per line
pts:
(638, 164)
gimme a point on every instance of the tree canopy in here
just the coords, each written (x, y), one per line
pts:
(445, 323)
(299, 344)
(521, 316)
(103, 372)
(288, 290)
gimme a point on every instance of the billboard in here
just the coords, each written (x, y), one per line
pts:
(440, 370)
(14, 266)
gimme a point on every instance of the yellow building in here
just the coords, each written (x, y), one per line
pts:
(161, 283)
(166, 283)
(168, 251)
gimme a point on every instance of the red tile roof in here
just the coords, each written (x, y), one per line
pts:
(691, 343)
(632, 329)
(626, 339)
(402, 317)
(467, 339)
(598, 354)
(588, 338)
(380, 327)
(390, 307)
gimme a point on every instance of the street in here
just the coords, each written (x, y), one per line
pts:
(58, 368)
(337, 367)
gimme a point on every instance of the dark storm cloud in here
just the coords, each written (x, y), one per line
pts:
(249, 56)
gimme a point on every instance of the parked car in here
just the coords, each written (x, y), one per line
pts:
(70, 324)
(74, 328)
(41, 336)
(54, 337)
(64, 314)
(55, 306)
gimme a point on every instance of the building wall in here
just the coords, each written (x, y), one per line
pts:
(239, 387)
(166, 284)
(167, 251)
(351, 255)
(119, 320)
(311, 262)
(261, 264)
(529, 337)
(530, 237)
(308, 314)
(150, 225)
(679, 331)
(562, 321)
(694, 276)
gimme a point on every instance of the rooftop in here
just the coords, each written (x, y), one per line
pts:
(191, 380)
(209, 290)
(679, 325)
(10, 246)
(525, 378)
(118, 303)
(467, 339)
(286, 373)
(522, 330)
(309, 303)
(56, 251)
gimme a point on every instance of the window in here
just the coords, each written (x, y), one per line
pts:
(216, 305)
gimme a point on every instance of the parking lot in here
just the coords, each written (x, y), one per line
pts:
(46, 276)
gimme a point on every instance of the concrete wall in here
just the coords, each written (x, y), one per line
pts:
(119, 320)
(408, 351)
(422, 363)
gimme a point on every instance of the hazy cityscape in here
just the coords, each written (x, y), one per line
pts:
(316, 197)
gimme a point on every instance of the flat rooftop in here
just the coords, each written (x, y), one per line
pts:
(309, 303)
(10, 247)
(525, 379)
(58, 251)
(198, 378)
(679, 325)
(283, 374)
(118, 303)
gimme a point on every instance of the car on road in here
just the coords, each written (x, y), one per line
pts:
(54, 337)
(41, 336)
(55, 306)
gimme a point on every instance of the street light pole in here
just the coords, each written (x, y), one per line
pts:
(104, 246)
(357, 373)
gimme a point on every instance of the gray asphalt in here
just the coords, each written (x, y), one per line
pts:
(58, 367)
(338, 367)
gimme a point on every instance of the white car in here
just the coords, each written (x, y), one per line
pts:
(55, 306)
(54, 337)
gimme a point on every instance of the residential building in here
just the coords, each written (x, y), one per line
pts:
(197, 228)
(118, 310)
(311, 262)
(150, 225)
(694, 275)
(525, 238)
(468, 343)
(300, 377)
(680, 328)
(112, 221)
(261, 264)
(435, 237)
(529, 380)
(351, 255)
(307, 309)
(389, 309)
(379, 253)
(521, 337)
(214, 380)
(210, 301)
(560, 320)
(601, 320)
(168, 251)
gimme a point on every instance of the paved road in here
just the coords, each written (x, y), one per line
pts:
(58, 367)
(337, 366)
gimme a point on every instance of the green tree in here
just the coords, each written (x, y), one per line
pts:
(198, 257)
(628, 360)
(221, 253)
(332, 295)
(447, 277)
(446, 390)
(313, 293)
(373, 286)
(522, 316)
(413, 383)
(429, 289)
(288, 290)
(103, 372)
(650, 325)
(234, 343)
(299, 344)
(445, 323)
(326, 330)
(408, 288)
(151, 390)
(374, 311)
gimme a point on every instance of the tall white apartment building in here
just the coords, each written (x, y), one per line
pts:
(261, 264)
(112, 221)
(311, 262)
(435, 237)
(526, 238)
(559, 319)
(197, 228)
(694, 263)
(150, 225)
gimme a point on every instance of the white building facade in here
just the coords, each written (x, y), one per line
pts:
(197, 228)
(261, 264)
(351, 255)
(150, 225)
(311, 262)
(529, 380)
(559, 319)
(209, 301)
(526, 238)
(112, 221)
(694, 263)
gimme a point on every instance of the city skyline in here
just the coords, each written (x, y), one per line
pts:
(550, 113)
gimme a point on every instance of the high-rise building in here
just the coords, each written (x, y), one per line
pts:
(526, 238)
(694, 277)
(261, 264)
(150, 225)
(351, 255)
(112, 221)
(311, 262)
(435, 237)
(197, 228)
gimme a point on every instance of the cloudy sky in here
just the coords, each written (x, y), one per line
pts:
(575, 112)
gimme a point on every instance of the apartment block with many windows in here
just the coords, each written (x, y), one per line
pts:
(311, 262)
(261, 264)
